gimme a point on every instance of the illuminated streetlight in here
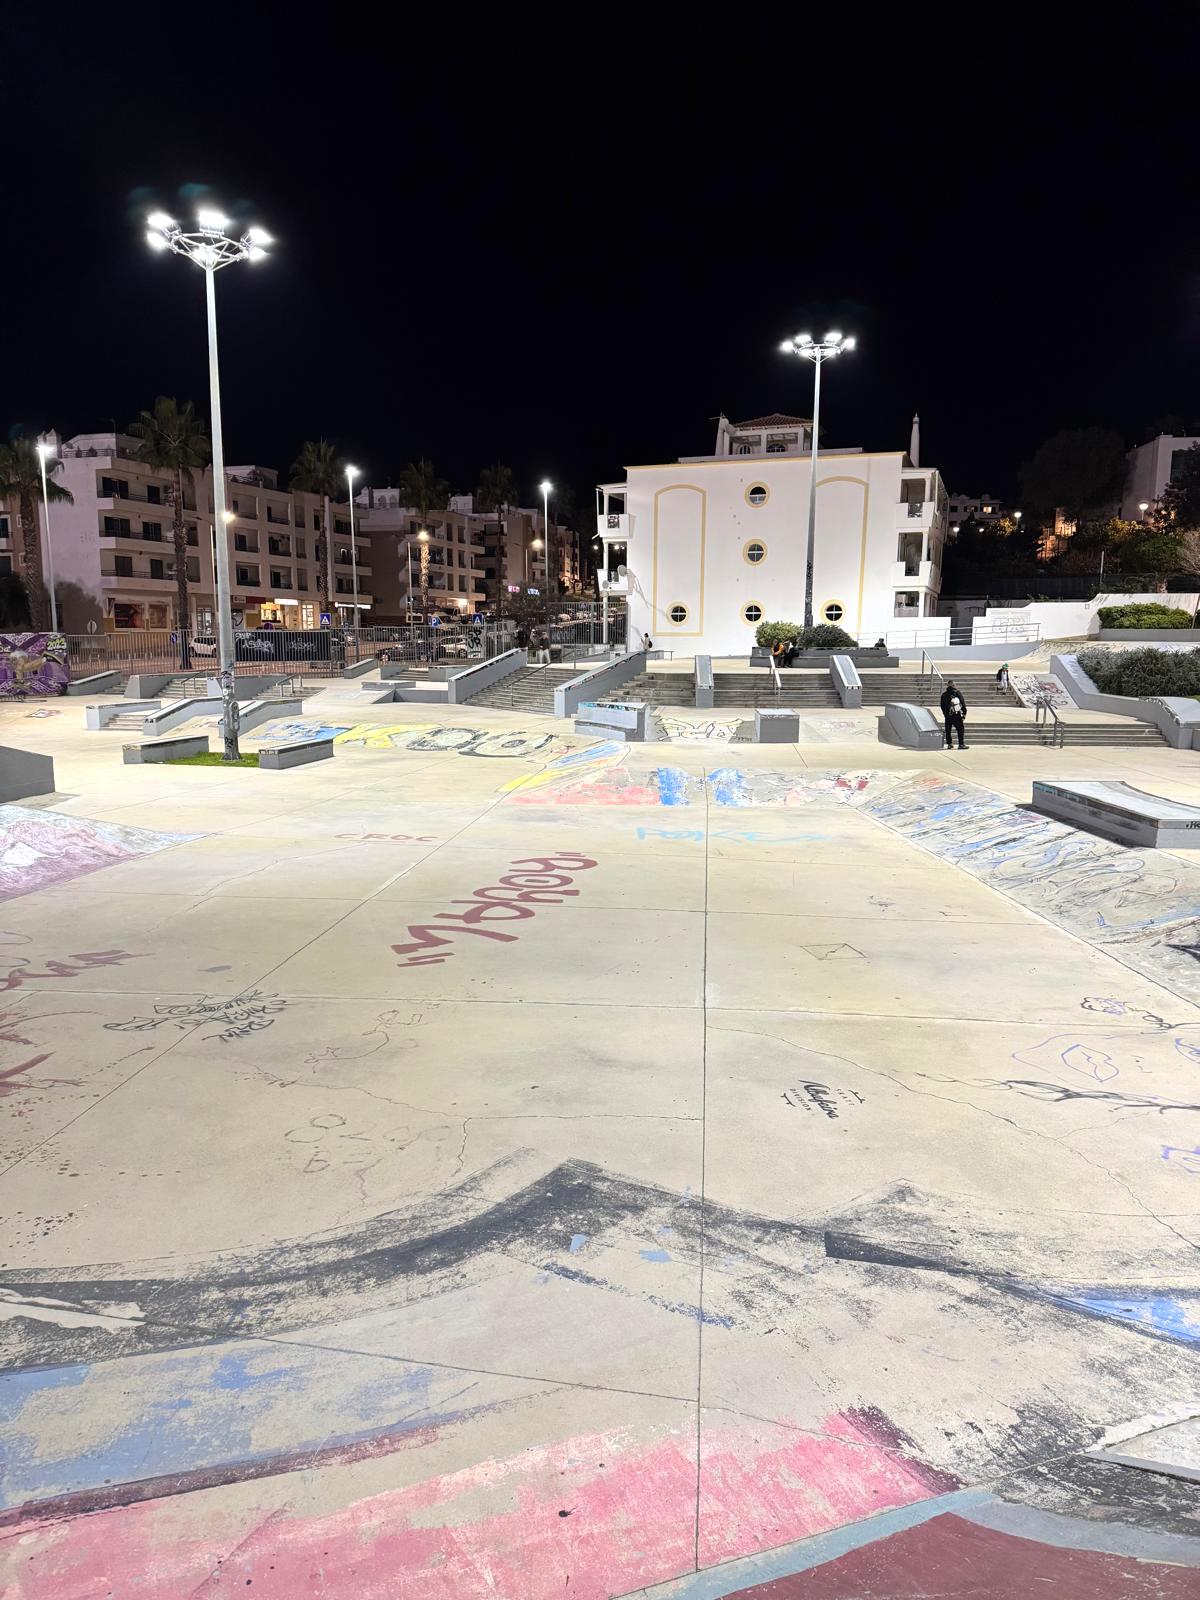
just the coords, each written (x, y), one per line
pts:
(803, 345)
(546, 487)
(351, 474)
(43, 450)
(211, 249)
(423, 537)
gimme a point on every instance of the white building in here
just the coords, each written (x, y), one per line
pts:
(716, 544)
(1151, 468)
(985, 508)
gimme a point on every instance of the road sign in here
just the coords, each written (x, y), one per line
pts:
(326, 619)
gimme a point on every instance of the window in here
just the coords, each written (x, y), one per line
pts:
(5, 529)
(757, 494)
(154, 494)
(6, 566)
(152, 531)
(247, 574)
(754, 552)
(752, 612)
(123, 566)
(157, 570)
(833, 611)
(114, 486)
(280, 579)
(302, 582)
(678, 613)
(117, 527)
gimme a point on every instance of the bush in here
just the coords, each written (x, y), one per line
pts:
(770, 633)
(1143, 672)
(826, 637)
(1147, 615)
(823, 637)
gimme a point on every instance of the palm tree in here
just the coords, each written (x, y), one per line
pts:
(420, 486)
(317, 470)
(497, 489)
(174, 441)
(21, 479)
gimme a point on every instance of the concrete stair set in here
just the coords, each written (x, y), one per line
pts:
(531, 689)
(659, 689)
(128, 721)
(1124, 734)
(979, 689)
(808, 687)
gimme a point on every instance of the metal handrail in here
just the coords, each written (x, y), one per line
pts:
(775, 676)
(1042, 709)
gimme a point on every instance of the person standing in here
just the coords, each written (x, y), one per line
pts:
(1002, 676)
(954, 710)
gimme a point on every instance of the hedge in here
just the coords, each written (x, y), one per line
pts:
(1150, 614)
(1146, 672)
(823, 637)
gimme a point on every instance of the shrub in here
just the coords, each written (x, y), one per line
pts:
(1146, 672)
(770, 633)
(1147, 615)
(827, 637)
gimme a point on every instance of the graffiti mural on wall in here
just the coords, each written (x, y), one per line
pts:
(32, 664)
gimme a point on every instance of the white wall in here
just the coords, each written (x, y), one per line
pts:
(1070, 619)
(690, 523)
(1150, 471)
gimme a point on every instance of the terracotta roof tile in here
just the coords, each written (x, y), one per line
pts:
(775, 420)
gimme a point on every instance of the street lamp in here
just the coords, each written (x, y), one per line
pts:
(44, 450)
(804, 346)
(1143, 507)
(351, 474)
(210, 247)
(546, 486)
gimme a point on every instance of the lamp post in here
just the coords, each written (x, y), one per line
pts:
(44, 450)
(423, 541)
(351, 474)
(546, 486)
(803, 345)
(1143, 507)
(211, 249)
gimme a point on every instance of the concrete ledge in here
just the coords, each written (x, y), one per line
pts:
(177, 711)
(569, 696)
(186, 744)
(249, 686)
(618, 719)
(436, 694)
(1170, 714)
(101, 716)
(1122, 813)
(256, 712)
(98, 683)
(776, 727)
(24, 772)
(147, 685)
(277, 758)
(846, 680)
(914, 727)
(360, 668)
(704, 683)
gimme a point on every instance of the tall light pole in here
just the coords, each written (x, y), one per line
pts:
(351, 474)
(43, 451)
(423, 541)
(211, 249)
(803, 345)
(546, 487)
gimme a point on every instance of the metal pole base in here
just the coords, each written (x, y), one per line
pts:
(231, 718)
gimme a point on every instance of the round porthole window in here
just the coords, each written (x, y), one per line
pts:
(754, 552)
(678, 613)
(752, 612)
(833, 611)
(757, 494)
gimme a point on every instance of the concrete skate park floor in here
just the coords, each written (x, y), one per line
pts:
(496, 1163)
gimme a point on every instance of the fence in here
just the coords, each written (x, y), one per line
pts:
(572, 630)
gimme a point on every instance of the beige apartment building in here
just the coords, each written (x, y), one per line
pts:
(113, 553)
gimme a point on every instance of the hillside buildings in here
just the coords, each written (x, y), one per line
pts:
(715, 544)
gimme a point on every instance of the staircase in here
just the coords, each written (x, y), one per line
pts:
(186, 686)
(127, 722)
(531, 689)
(802, 687)
(1076, 735)
(659, 689)
(887, 688)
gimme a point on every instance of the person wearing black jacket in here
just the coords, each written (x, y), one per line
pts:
(954, 709)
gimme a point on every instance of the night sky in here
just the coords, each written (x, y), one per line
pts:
(567, 241)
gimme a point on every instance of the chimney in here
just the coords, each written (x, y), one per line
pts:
(914, 441)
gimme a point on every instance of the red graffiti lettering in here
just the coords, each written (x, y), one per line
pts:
(568, 862)
(537, 880)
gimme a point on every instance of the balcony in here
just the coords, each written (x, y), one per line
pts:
(609, 583)
(912, 574)
(915, 515)
(279, 547)
(613, 526)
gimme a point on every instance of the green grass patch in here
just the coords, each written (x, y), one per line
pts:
(213, 758)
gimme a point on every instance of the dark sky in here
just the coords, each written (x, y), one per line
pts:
(566, 239)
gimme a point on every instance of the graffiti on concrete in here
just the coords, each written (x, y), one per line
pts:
(536, 881)
(220, 1017)
(41, 849)
(32, 664)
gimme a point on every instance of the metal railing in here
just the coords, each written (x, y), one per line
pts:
(1044, 712)
(775, 678)
(930, 667)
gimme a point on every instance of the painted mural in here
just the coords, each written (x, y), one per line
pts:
(45, 849)
(32, 665)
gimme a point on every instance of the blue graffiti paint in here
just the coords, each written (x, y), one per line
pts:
(1177, 1316)
(672, 786)
(237, 1371)
(654, 1255)
(578, 1240)
(728, 786)
(17, 1389)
